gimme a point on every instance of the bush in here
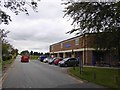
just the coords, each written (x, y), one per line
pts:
(8, 57)
(4, 58)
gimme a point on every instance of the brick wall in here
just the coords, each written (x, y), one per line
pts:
(70, 44)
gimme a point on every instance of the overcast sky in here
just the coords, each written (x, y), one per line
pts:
(39, 30)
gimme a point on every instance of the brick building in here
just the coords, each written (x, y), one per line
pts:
(80, 46)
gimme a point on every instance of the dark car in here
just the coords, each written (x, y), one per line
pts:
(68, 62)
(41, 58)
(57, 61)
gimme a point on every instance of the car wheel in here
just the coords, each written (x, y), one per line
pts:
(66, 65)
(59, 65)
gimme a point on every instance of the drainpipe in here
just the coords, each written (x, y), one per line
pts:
(73, 53)
(63, 54)
(84, 51)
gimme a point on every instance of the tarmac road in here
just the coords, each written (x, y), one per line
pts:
(36, 74)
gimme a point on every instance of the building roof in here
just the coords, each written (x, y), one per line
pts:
(73, 38)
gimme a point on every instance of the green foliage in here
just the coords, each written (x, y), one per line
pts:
(16, 6)
(31, 53)
(24, 52)
(7, 57)
(6, 62)
(96, 17)
(4, 17)
(103, 76)
(34, 57)
(5, 48)
(6, 54)
(92, 17)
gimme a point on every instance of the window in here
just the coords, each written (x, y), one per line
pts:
(52, 48)
(61, 45)
(76, 41)
(68, 45)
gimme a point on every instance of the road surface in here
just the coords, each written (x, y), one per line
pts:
(36, 74)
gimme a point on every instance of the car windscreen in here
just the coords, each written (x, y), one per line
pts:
(73, 59)
(65, 59)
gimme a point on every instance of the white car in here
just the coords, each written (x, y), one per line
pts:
(46, 59)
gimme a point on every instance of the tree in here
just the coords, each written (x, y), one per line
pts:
(47, 54)
(16, 6)
(96, 17)
(3, 43)
(24, 52)
(3, 34)
(31, 53)
(36, 53)
(41, 53)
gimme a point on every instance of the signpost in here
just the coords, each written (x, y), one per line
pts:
(80, 65)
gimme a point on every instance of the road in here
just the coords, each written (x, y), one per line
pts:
(36, 74)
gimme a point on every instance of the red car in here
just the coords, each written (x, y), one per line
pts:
(57, 61)
(25, 58)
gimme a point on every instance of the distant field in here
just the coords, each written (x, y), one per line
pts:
(34, 57)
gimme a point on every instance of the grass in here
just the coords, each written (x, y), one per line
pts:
(0, 66)
(34, 57)
(102, 76)
(7, 62)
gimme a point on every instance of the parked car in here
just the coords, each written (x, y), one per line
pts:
(46, 59)
(57, 61)
(51, 61)
(68, 62)
(41, 58)
(25, 58)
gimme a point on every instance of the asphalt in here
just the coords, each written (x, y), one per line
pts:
(36, 74)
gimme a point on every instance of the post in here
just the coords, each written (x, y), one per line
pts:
(84, 49)
(80, 65)
(74, 66)
(0, 58)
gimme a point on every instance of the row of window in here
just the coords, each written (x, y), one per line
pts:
(67, 45)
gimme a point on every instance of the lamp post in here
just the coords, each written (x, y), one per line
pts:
(0, 49)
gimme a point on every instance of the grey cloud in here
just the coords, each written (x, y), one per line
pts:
(39, 30)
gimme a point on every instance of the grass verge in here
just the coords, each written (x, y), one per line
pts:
(103, 76)
(34, 57)
(6, 64)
